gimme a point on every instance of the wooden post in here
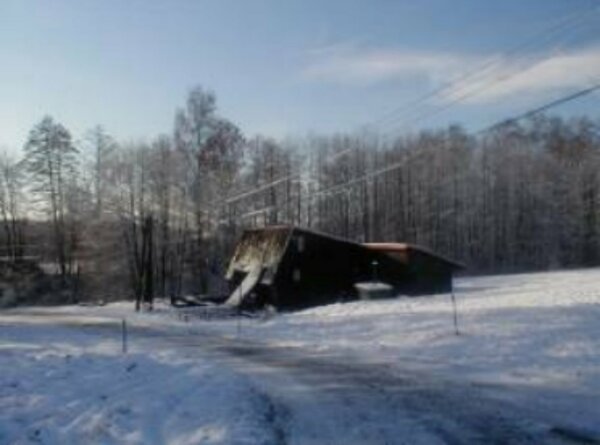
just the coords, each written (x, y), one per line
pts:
(453, 297)
(124, 335)
(239, 321)
(238, 313)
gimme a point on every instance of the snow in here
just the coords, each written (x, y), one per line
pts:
(538, 334)
(519, 328)
(530, 340)
(373, 286)
(61, 387)
(248, 283)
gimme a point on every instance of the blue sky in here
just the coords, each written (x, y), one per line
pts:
(288, 67)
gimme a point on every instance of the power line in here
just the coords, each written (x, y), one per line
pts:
(489, 63)
(273, 183)
(450, 86)
(346, 151)
(541, 109)
(469, 93)
(338, 188)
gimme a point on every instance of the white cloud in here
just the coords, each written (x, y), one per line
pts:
(503, 78)
(571, 70)
(349, 65)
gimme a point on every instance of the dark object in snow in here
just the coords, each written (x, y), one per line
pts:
(576, 435)
(291, 268)
(131, 367)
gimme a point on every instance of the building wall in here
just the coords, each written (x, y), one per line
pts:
(430, 275)
(316, 269)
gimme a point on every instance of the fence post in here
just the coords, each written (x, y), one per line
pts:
(124, 336)
(454, 309)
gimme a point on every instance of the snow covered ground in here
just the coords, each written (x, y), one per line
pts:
(532, 329)
(530, 340)
(60, 387)
(536, 333)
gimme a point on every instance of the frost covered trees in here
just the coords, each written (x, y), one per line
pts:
(51, 160)
(161, 217)
(12, 207)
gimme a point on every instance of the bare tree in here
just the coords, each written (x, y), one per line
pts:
(51, 160)
(102, 146)
(12, 206)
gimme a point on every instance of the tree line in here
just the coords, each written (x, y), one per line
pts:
(114, 220)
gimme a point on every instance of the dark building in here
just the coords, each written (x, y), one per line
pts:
(289, 268)
(427, 272)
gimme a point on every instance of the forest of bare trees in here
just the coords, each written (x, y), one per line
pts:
(112, 219)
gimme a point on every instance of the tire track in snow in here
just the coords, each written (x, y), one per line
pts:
(455, 414)
(276, 416)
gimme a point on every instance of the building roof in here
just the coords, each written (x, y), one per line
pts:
(387, 247)
(405, 247)
(289, 227)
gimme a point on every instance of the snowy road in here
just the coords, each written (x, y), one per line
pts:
(310, 397)
(322, 398)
